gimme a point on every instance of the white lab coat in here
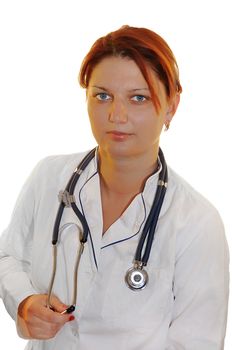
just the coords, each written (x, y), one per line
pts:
(184, 305)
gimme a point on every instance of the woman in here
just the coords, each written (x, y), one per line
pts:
(170, 292)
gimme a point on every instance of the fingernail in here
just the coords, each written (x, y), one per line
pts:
(71, 318)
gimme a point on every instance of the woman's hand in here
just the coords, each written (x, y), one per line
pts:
(37, 321)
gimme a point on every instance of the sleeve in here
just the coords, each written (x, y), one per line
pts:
(201, 288)
(15, 248)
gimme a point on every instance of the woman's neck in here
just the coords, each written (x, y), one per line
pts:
(126, 176)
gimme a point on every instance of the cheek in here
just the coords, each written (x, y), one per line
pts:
(93, 115)
(96, 120)
(150, 126)
(90, 110)
(97, 113)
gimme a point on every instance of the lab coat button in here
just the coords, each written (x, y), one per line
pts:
(74, 328)
(75, 332)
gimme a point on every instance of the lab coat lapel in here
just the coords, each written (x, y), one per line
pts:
(128, 225)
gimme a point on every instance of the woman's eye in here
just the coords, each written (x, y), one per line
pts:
(102, 96)
(139, 98)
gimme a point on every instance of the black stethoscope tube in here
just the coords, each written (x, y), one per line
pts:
(151, 222)
(70, 190)
(152, 228)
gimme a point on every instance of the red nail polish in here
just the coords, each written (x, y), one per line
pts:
(71, 318)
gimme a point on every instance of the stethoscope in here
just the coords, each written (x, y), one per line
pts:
(136, 277)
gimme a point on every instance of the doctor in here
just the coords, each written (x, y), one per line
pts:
(177, 298)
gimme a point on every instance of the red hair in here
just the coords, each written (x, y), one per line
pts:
(146, 48)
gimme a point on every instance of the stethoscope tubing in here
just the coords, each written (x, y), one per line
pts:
(83, 236)
(152, 230)
(148, 231)
(71, 308)
(70, 190)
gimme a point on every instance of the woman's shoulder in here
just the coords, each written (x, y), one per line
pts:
(59, 163)
(193, 216)
(62, 160)
(189, 200)
(51, 169)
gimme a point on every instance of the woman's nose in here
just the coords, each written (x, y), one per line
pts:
(118, 112)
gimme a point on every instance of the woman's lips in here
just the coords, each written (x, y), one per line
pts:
(119, 135)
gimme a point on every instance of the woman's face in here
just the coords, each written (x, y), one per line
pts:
(123, 118)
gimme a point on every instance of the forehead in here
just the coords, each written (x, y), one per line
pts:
(121, 70)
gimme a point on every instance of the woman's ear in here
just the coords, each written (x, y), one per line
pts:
(172, 107)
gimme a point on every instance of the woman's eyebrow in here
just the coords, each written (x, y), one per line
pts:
(140, 89)
(131, 90)
(98, 87)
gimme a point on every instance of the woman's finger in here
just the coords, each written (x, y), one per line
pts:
(42, 322)
(57, 305)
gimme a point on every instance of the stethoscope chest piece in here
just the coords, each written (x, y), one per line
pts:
(136, 278)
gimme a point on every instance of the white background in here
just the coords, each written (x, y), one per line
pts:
(43, 111)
